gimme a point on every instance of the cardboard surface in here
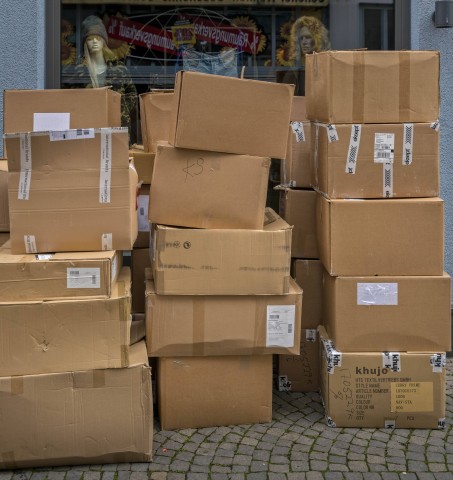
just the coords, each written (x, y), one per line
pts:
(298, 208)
(143, 162)
(82, 417)
(4, 209)
(198, 392)
(232, 115)
(388, 313)
(141, 260)
(222, 262)
(372, 390)
(360, 86)
(58, 275)
(184, 325)
(138, 328)
(144, 229)
(381, 237)
(352, 166)
(200, 189)
(155, 118)
(66, 335)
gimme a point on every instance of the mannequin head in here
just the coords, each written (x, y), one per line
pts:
(308, 35)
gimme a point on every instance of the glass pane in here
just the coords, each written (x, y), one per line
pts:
(372, 28)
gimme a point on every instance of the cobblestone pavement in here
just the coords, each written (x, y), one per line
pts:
(297, 445)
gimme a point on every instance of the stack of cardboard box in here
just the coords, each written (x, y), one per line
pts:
(220, 300)
(380, 237)
(74, 378)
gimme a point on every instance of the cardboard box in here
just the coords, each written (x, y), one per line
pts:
(67, 335)
(138, 328)
(360, 86)
(232, 115)
(143, 162)
(298, 208)
(82, 417)
(4, 208)
(382, 390)
(144, 228)
(54, 109)
(381, 237)
(184, 325)
(300, 373)
(75, 195)
(376, 161)
(155, 118)
(55, 276)
(141, 260)
(308, 275)
(388, 314)
(188, 261)
(208, 189)
(196, 392)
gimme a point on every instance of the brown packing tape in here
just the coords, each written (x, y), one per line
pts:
(404, 84)
(260, 311)
(17, 385)
(98, 378)
(124, 355)
(358, 87)
(198, 319)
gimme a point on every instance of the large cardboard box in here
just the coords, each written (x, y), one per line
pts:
(54, 109)
(382, 389)
(298, 208)
(376, 161)
(232, 115)
(4, 208)
(143, 162)
(141, 260)
(200, 189)
(196, 392)
(208, 325)
(55, 276)
(188, 261)
(81, 417)
(381, 237)
(387, 314)
(66, 335)
(143, 236)
(155, 118)
(71, 194)
(360, 86)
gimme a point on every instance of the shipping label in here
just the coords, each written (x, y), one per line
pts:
(45, 122)
(83, 278)
(30, 244)
(384, 147)
(280, 325)
(107, 241)
(412, 397)
(74, 134)
(298, 129)
(142, 213)
(377, 293)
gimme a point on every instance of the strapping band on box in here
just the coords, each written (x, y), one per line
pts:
(25, 166)
(358, 86)
(106, 166)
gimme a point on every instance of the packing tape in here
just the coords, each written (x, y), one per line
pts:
(106, 166)
(17, 385)
(260, 312)
(387, 180)
(315, 154)
(198, 326)
(358, 86)
(408, 141)
(404, 84)
(98, 378)
(25, 167)
(353, 150)
(124, 355)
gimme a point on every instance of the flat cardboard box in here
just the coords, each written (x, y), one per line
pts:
(381, 237)
(231, 115)
(382, 390)
(82, 417)
(376, 161)
(200, 189)
(67, 335)
(308, 275)
(184, 325)
(195, 392)
(300, 373)
(298, 208)
(4, 208)
(78, 194)
(388, 313)
(25, 110)
(141, 260)
(143, 162)
(360, 86)
(155, 118)
(188, 261)
(143, 225)
(56, 276)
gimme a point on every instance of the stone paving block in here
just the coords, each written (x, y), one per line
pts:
(179, 466)
(245, 450)
(435, 457)
(73, 475)
(373, 459)
(239, 469)
(333, 476)
(220, 469)
(257, 466)
(437, 467)
(318, 465)
(257, 476)
(357, 466)
(242, 460)
(425, 476)
(202, 459)
(174, 476)
(87, 476)
(219, 460)
(277, 476)
(314, 476)
(123, 475)
(353, 476)
(109, 475)
(338, 467)
(158, 476)
(38, 476)
(140, 475)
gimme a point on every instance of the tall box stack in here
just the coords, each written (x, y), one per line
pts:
(386, 316)
(220, 300)
(74, 375)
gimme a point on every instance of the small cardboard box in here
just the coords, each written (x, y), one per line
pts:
(77, 194)
(141, 260)
(376, 161)
(81, 417)
(298, 208)
(382, 389)
(363, 314)
(232, 115)
(54, 109)
(155, 118)
(24, 278)
(359, 86)
(4, 208)
(143, 162)
(208, 189)
(381, 237)
(195, 392)
(188, 261)
(67, 335)
(184, 325)
(144, 228)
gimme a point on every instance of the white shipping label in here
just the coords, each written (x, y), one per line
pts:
(438, 362)
(25, 166)
(30, 244)
(384, 147)
(332, 133)
(377, 294)
(83, 278)
(387, 180)
(44, 256)
(114, 267)
(408, 140)
(106, 166)
(435, 125)
(284, 385)
(107, 241)
(298, 129)
(44, 122)
(142, 213)
(75, 134)
(353, 150)
(310, 335)
(280, 325)
(392, 361)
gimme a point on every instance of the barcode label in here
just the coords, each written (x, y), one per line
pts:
(44, 256)
(142, 213)
(107, 241)
(274, 317)
(290, 328)
(280, 325)
(384, 147)
(83, 278)
(73, 134)
(30, 244)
